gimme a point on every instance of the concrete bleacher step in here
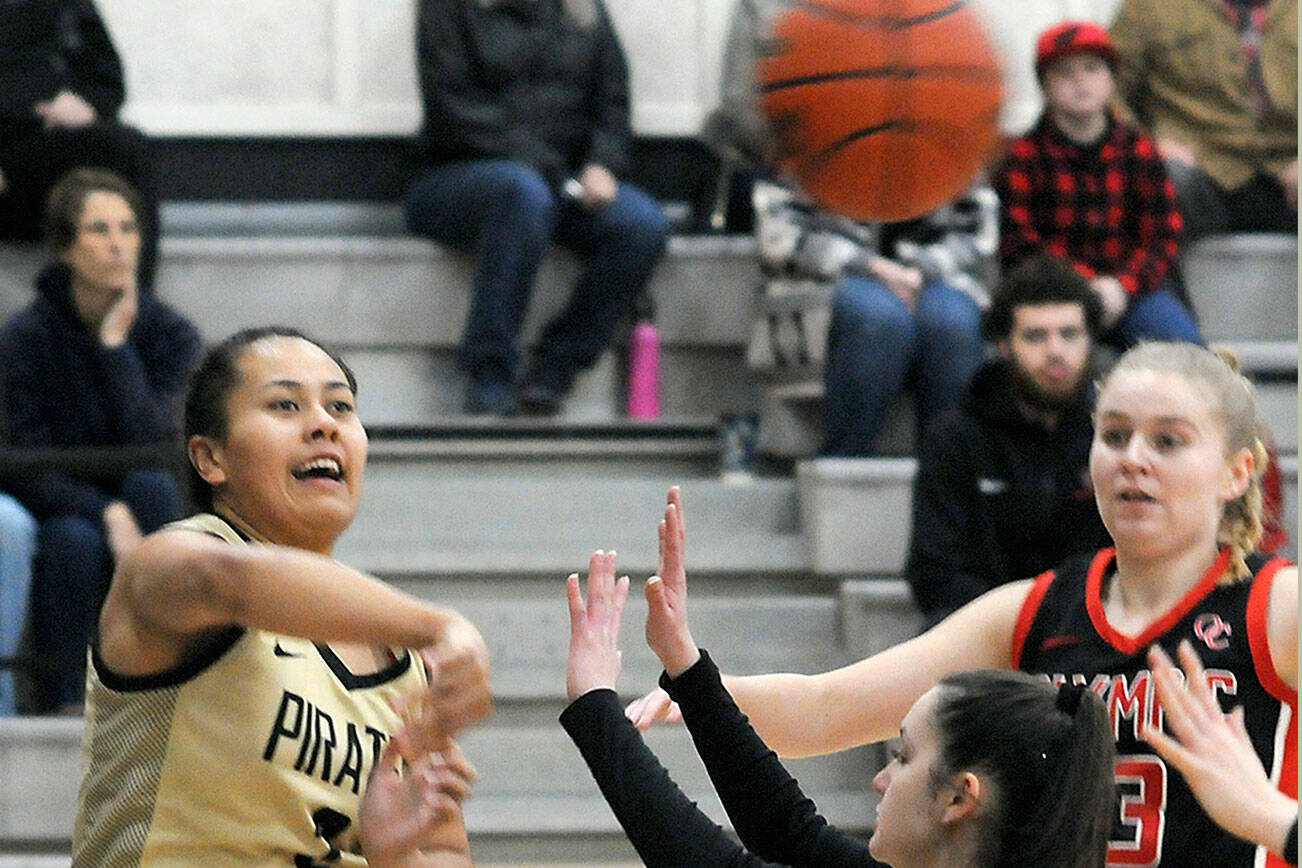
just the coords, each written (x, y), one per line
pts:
(395, 307)
(855, 513)
(1244, 286)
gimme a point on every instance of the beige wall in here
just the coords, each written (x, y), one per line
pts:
(345, 67)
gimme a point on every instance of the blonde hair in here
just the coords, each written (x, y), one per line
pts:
(1234, 405)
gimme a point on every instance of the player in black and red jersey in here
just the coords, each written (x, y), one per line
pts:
(1175, 465)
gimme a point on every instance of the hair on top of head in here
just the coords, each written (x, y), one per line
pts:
(1040, 279)
(1233, 404)
(211, 384)
(67, 199)
(1033, 743)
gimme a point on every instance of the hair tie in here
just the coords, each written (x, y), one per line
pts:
(1069, 698)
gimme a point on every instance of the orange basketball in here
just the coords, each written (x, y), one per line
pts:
(880, 109)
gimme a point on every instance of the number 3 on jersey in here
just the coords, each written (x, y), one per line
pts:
(1141, 796)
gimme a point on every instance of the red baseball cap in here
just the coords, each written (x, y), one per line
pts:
(1073, 37)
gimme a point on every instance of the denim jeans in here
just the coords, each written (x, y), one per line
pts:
(507, 215)
(875, 345)
(72, 572)
(1156, 315)
(17, 545)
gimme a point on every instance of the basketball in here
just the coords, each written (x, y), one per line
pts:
(879, 109)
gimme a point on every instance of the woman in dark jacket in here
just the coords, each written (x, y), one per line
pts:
(90, 362)
(526, 133)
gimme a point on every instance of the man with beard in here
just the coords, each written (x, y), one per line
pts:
(1003, 490)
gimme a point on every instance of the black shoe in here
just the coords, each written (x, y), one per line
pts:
(485, 397)
(539, 398)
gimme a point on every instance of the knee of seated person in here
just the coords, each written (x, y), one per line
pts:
(949, 312)
(64, 534)
(860, 304)
(522, 186)
(153, 496)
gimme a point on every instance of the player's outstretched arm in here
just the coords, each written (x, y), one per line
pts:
(1212, 750)
(178, 586)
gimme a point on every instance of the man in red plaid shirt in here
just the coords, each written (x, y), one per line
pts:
(1086, 187)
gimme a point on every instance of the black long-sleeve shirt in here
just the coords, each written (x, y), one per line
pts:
(767, 808)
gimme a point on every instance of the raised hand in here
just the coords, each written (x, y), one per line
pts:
(594, 660)
(1212, 751)
(666, 595)
(458, 670)
(411, 811)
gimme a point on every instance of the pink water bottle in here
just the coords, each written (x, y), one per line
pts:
(644, 371)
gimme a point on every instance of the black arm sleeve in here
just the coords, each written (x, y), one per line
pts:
(773, 818)
(664, 826)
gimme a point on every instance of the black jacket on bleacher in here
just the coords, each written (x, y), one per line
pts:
(46, 47)
(998, 497)
(542, 82)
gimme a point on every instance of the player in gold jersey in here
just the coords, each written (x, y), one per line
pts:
(250, 700)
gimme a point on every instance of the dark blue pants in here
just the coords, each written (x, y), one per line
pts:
(875, 346)
(508, 215)
(71, 576)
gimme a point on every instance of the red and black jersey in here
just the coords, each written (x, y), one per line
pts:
(1062, 631)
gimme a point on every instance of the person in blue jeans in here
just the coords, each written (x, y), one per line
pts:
(910, 315)
(526, 131)
(17, 545)
(90, 362)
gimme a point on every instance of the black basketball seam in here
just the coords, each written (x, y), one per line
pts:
(815, 162)
(889, 22)
(969, 72)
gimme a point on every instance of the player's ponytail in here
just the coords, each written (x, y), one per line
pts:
(1046, 755)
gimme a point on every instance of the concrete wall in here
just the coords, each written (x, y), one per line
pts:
(345, 67)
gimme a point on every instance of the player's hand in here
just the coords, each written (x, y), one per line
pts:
(1213, 753)
(411, 811)
(458, 670)
(656, 705)
(599, 187)
(67, 109)
(1114, 298)
(594, 660)
(666, 595)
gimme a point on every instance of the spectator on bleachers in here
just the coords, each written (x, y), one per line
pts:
(61, 86)
(1002, 490)
(1215, 84)
(908, 312)
(1085, 186)
(735, 130)
(90, 362)
(526, 132)
(17, 545)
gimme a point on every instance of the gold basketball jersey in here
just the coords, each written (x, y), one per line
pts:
(254, 755)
